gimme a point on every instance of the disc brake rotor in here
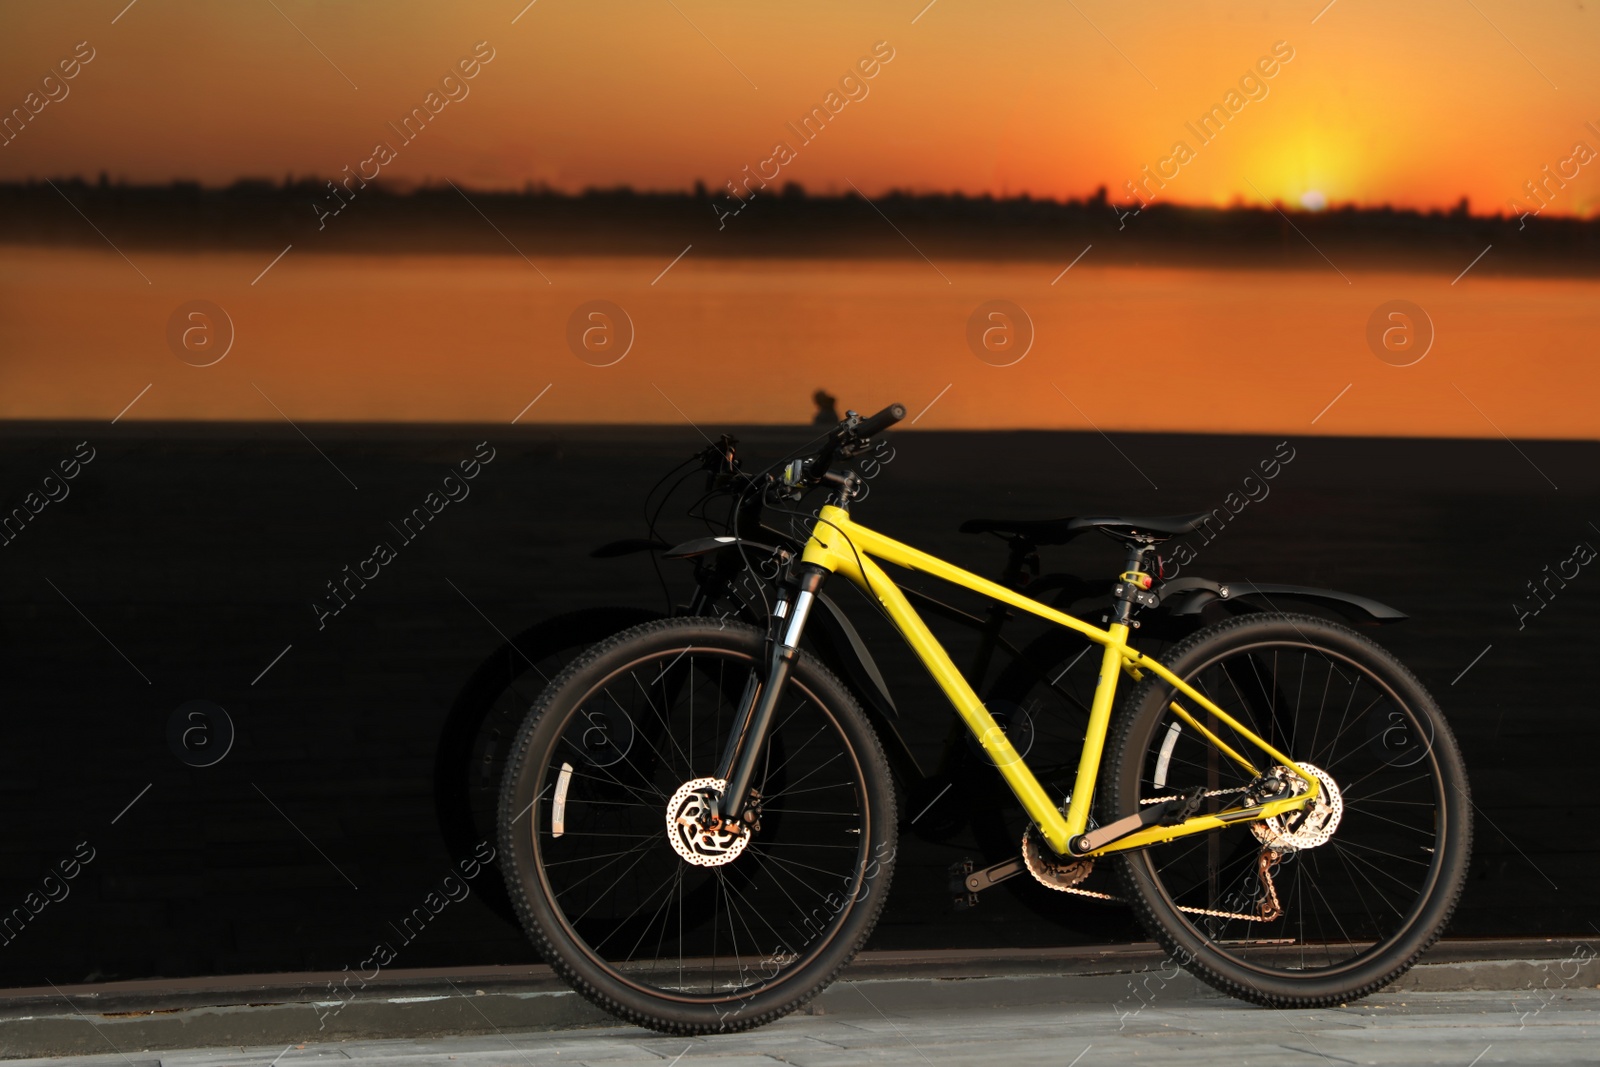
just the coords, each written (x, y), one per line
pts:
(1293, 831)
(696, 830)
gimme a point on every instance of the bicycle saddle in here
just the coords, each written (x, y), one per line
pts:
(1148, 528)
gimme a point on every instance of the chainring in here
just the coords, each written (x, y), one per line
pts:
(1049, 869)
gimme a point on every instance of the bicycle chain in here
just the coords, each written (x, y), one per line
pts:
(1095, 893)
(1204, 796)
(1270, 910)
(1270, 858)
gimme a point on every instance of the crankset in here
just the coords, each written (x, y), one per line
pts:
(1053, 872)
(1050, 870)
(966, 881)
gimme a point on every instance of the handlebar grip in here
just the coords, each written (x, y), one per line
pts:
(881, 421)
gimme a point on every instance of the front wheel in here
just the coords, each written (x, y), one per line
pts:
(1292, 911)
(621, 880)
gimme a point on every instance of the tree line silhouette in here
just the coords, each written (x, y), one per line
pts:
(259, 214)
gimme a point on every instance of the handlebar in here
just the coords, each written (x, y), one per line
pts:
(725, 474)
(849, 438)
(881, 421)
(852, 434)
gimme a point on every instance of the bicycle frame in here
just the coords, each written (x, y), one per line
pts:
(841, 546)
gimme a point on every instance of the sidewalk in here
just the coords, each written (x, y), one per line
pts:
(1511, 1002)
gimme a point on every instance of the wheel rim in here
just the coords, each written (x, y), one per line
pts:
(615, 885)
(1344, 901)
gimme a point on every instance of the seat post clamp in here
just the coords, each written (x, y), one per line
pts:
(1135, 592)
(1137, 579)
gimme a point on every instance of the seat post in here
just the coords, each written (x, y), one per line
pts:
(1125, 596)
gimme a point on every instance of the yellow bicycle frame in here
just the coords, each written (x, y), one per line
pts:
(841, 546)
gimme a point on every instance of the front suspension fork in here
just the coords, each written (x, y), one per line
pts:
(760, 700)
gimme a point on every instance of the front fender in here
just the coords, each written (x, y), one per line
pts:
(834, 633)
(628, 546)
(850, 652)
(837, 642)
(703, 546)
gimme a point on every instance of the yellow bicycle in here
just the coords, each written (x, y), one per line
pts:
(698, 825)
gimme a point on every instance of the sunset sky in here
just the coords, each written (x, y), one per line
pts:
(1414, 104)
(1307, 104)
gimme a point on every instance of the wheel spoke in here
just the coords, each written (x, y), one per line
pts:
(1349, 900)
(700, 923)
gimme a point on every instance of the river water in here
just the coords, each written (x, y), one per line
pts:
(433, 338)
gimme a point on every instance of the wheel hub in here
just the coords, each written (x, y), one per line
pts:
(697, 831)
(1314, 826)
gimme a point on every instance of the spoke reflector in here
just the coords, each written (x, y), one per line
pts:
(558, 807)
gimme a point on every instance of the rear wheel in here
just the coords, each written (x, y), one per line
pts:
(1293, 912)
(618, 878)
(478, 733)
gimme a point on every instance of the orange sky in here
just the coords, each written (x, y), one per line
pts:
(1415, 104)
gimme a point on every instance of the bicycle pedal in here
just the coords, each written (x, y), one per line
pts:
(1185, 807)
(961, 899)
(1167, 813)
(958, 879)
(967, 880)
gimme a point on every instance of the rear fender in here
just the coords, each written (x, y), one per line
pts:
(1190, 596)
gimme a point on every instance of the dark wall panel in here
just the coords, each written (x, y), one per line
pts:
(182, 563)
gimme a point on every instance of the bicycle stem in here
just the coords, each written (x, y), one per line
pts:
(755, 720)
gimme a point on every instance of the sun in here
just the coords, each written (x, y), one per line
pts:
(1313, 200)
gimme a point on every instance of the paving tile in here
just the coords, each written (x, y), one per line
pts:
(1449, 1029)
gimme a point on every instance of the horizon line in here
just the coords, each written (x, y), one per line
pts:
(9, 425)
(1460, 208)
